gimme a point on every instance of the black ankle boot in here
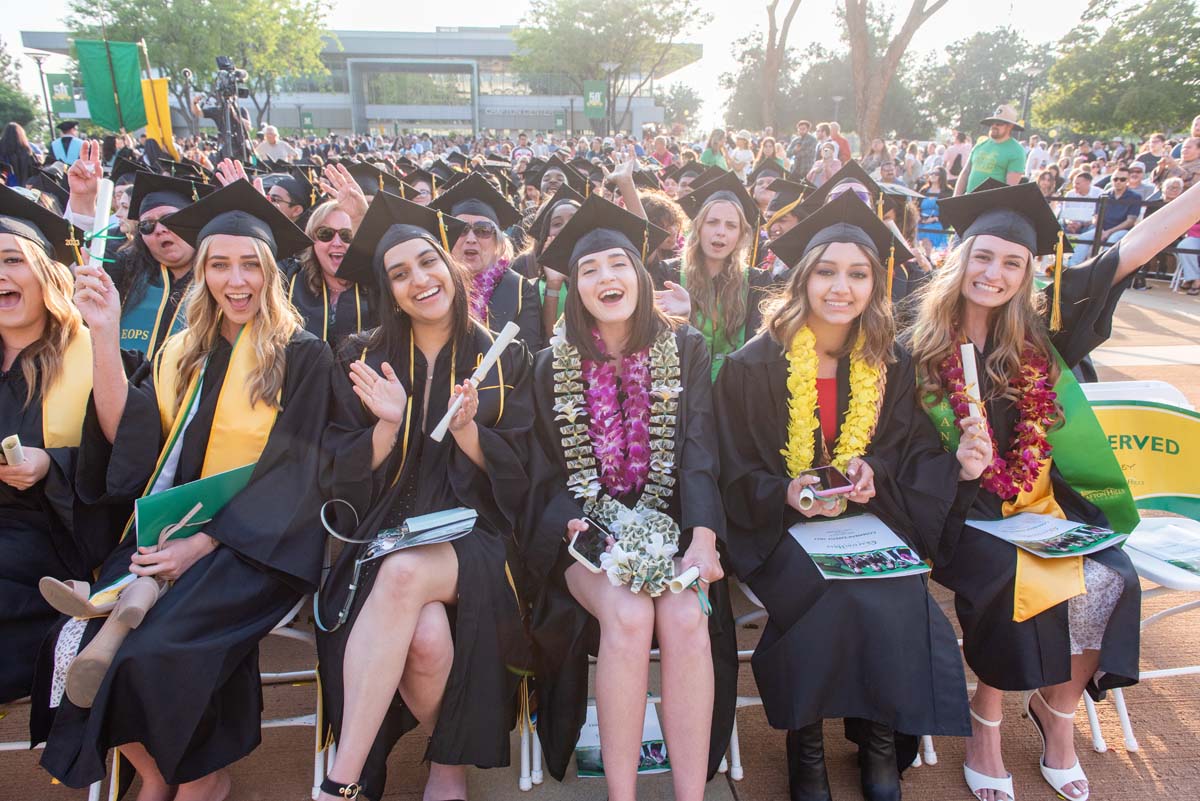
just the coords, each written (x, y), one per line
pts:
(877, 767)
(807, 779)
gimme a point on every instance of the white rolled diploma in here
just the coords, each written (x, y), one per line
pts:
(971, 378)
(11, 446)
(808, 497)
(507, 335)
(104, 194)
(684, 580)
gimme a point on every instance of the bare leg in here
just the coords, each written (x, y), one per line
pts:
(377, 649)
(687, 689)
(983, 746)
(1060, 734)
(154, 786)
(622, 673)
(213, 787)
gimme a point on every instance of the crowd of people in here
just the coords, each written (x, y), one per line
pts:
(652, 347)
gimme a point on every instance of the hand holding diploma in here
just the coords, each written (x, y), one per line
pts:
(971, 377)
(975, 446)
(507, 335)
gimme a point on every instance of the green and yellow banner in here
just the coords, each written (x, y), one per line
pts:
(1158, 447)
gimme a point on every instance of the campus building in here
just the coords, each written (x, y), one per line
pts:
(457, 79)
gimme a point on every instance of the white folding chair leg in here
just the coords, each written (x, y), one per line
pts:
(1094, 723)
(1131, 743)
(735, 754)
(536, 772)
(94, 791)
(929, 753)
(525, 781)
(318, 761)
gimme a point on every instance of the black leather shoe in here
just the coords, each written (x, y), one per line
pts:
(807, 780)
(877, 763)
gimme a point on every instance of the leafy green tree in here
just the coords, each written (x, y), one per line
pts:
(15, 105)
(745, 88)
(575, 37)
(681, 104)
(276, 41)
(8, 67)
(1125, 68)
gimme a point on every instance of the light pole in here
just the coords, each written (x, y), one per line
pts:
(837, 104)
(1030, 73)
(609, 67)
(40, 59)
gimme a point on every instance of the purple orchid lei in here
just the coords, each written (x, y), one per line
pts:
(620, 432)
(483, 284)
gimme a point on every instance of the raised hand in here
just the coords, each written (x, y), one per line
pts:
(230, 170)
(337, 182)
(466, 411)
(98, 301)
(383, 395)
(674, 300)
(974, 448)
(83, 177)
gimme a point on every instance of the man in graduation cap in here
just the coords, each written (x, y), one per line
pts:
(292, 194)
(759, 183)
(67, 146)
(373, 180)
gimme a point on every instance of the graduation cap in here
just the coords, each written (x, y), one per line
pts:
(727, 187)
(371, 179)
(298, 187)
(238, 210)
(534, 166)
(474, 195)
(416, 176)
(565, 194)
(47, 180)
(670, 173)
(442, 171)
(768, 169)
(843, 219)
(851, 172)
(897, 198)
(457, 160)
(989, 184)
(308, 174)
(708, 174)
(404, 162)
(788, 195)
(124, 171)
(646, 179)
(500, 172)
(67, 125)
(185, 169)
(27, 219)
(389, 221)
(153, 190)
(583, 166)
(571, 175)
(601, 225)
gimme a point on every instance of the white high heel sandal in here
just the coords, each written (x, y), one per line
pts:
(978, 782)
(1055, 777)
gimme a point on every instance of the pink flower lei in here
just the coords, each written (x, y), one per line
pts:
(483, 284)
(1015, 471)
(620, 432)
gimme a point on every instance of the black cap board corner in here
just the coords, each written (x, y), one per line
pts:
(389, 221)
(240, 210)
(474, 195)
(153, 190)
(728, 187)
(843, 219)
(1017, 214)
(851, 172)
(30, 220)
(600, 225)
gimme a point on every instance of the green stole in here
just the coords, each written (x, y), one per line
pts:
(1080, 451)
(720, 344)
(140, 324)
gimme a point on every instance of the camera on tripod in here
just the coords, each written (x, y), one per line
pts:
(230, 79)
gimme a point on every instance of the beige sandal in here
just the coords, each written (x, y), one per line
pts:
(72, 598)
(90, 666)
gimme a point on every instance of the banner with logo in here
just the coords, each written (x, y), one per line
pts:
(62, 92)
(595, 99)
(1158, 447)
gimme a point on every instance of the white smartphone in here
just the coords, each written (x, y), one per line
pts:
(586, 546)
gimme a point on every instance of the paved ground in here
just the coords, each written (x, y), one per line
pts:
(1156, 336)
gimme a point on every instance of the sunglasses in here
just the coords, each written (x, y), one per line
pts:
(147, 227)
(1119, 180)
(483, 230)
(326, 234)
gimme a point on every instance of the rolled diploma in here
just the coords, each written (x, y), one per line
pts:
(104, 194)
(971, 378)
(684, 580)
(808, 497)
(507, 335)
(13, 454)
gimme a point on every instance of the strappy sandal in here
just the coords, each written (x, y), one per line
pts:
(1055, 777)
(978, 782)
(347, 791)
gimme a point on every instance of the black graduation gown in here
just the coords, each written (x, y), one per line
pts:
(563, 633)
(478, 708)
(761, 286)
(515, 299)
(186, 683)
(45, 530)
(877, 650)
(334, 321)
(981, 569)
(907, 283)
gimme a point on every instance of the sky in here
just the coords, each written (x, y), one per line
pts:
(1037, 20)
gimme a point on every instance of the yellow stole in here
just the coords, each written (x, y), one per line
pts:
(1042, 583)
(65, 402)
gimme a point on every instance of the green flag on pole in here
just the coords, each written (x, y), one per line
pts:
(62, 95)
(113, 79)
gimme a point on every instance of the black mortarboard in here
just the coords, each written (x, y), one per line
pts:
(671, 173)
(124, 171)
(67, 125)
(646, 179)
(27, 219)
(843, 219)
(371, 179)
(727, 187)
(988, 184)
(532, 175)
(309, 174)
(572, 176)
(582, 166)
(600, 225)
(418, 175)
(787, 194)
(1017, 214)
(458, 160)
(46, 180)
(474, 195)
(389, 221)
(500, 172)
(238, 210)
(694, 170)
(565, 194)
(297, 185)
(443, 171)
(769, 168)
(707, 174)
(405, 163)
(153, 190)
(182, 169)
(851, 172)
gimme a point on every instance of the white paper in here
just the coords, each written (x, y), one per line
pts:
(856, 547)
(1049, 537)
(1173, 545)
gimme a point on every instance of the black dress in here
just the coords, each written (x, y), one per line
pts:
(981, 569)
(563, 632)
(515, 299)
(186, 683)
(44, 531)
(354, 311)
(877, 650)
(478, 708)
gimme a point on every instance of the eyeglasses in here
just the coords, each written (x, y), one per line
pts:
(147, 227)
(326, 234)
(1119, 180)
(484, 230)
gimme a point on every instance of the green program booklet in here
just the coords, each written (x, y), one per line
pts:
(153, 513)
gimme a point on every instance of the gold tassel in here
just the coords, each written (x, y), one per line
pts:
(380, 183)
(754, 251)
(402, 195)
(785, 210)
(1056, 310)
(312, 195)
(433, 184)
(74, 243)
(879, 206)
(645, 242)
(442, 232)
(891, 268)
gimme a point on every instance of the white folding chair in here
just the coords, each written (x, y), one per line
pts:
(1153, 391)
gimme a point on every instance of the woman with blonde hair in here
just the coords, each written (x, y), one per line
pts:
(173, 679)
(714, 284)
(826, 388)
(1048, 627)
(45, 378)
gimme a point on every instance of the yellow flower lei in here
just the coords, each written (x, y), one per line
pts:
(866, 393)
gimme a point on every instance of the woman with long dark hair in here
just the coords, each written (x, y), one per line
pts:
(16, 151)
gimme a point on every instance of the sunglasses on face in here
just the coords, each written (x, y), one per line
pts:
(483, 230)
(147, 227)
(326, 234)
(1119, 180)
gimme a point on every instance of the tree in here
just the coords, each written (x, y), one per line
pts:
(9, 67)
(774, 58)
(681, 104)
(978, 73)
(278, 40)
(574, 37)
(1126, 68)
(744, 88)
(866, 32)
(15, 105)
